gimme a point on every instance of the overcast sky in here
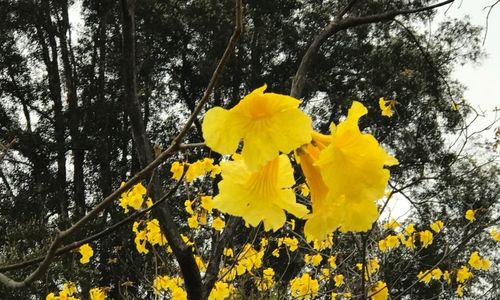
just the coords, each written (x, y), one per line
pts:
(482, 80)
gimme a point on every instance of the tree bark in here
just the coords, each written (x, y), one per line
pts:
(183, 253)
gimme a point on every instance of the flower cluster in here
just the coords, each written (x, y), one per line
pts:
(172, 285)
(69, 292)
(150, 233)
(345, 170)
(134, 198)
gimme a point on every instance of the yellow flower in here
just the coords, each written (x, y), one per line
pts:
(195, 170)
(154, 234)
(478, 262)
(409, 242)
(426, 238)
(382, 245)
(304, 190)
(463, 274)
(470, 215)
(371, 267)
(323, 219)
(460, 290)
(69, 288)
(332, 261)
(200, 263)
(177, 169)
(86, 252)
(267, 280)
(424, 278)
(220, 291)
(193, 221)
(258, 196)
(495, 234)
(228, 252)
(304, 287)
(263, 243)
(314, 260)
(352, 166)
(133, 197)
(410, 228)
(97, 294)
(51, 296)
(140, 241)
(436, 274)
(218, 224)
(266, 122)
(188, 204)
(291, 243)
(437, 226)
(392, 241)
(392, 224)
(207, 203)
(379, 291)
(447, 276)
(339, 280)
(276, 252)
(386, 106)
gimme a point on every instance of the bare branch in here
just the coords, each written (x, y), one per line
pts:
(342, 24)
(96, 236)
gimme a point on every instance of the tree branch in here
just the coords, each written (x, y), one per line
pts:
(339, 24)
(103, 233)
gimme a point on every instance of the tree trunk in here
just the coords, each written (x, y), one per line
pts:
(183, 253)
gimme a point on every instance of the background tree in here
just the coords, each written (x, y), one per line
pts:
(87, 113)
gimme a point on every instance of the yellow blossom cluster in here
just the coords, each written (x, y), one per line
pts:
(198, 215)
(257, 185)
(195, 170)
(313, 260)
(304, 287)
(173, 285)
(150, 233)
(390, 242)
(134, 198)
(69, 291)
(437, 226)
(371, 267)
(379, 291)
(495, 234)
(86, 252)
(478, 262)
(265, 282)
(387, 106)
(221, 291)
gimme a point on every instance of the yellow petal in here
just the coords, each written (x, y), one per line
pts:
(221, 131)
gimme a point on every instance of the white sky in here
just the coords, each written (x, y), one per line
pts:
(482, 80)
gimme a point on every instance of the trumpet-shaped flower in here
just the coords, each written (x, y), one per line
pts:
(266, 122)
(352, 166)
(324, 217)
(261, 195)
